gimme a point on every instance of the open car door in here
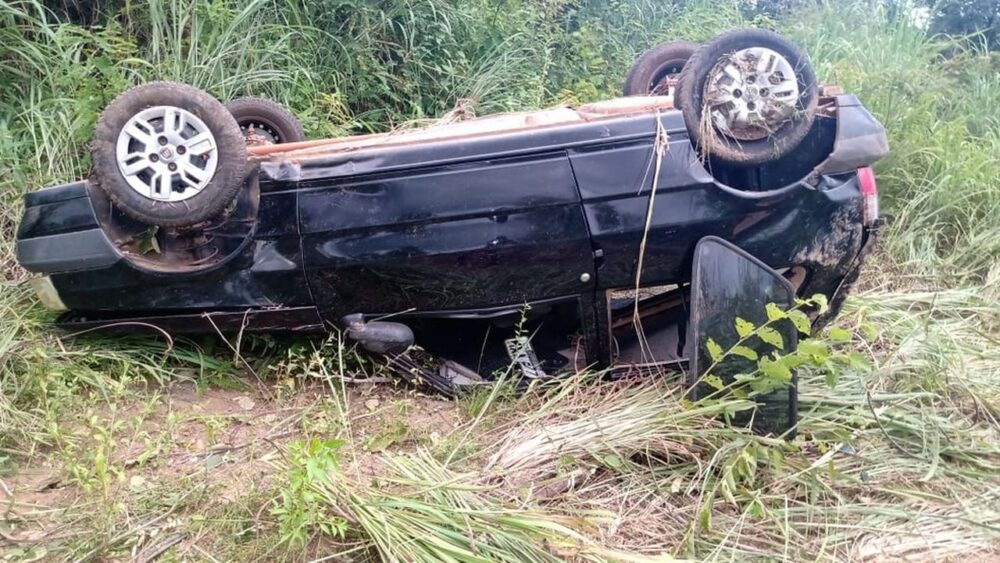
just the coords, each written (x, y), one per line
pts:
(728, 284)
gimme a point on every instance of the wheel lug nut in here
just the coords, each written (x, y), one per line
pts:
(162, 140)
(172, 166)
(181, 150)
(154, 157)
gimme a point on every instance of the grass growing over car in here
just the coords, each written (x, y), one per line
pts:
(141, 448)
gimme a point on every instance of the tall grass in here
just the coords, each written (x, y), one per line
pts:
(941, 183)
(891, 463)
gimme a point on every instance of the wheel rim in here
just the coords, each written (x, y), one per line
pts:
(167, 153)
(259, 133)
(751, 93)
(664, 82)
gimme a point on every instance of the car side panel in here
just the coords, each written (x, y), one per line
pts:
(266, 272)
(814, 222)
(466, 235)
(816, 228)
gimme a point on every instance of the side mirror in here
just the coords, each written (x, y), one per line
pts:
(728, 283)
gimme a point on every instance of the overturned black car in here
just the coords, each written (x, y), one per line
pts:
(588, 229)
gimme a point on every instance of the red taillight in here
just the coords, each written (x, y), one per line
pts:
(869, 195)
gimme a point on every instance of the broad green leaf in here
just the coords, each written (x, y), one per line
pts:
(816, 350)
(744, 352)
(771, 336)
(147, 242)
(775, 369)
(387, 437)
(793, 360)
(838, 334)
(613, 461)
(820, 301)
(800, 320)
(774, 312)
(714, 382)
(567, 462)
(764, 385)
(714, 350)
(744, 327)
(857, 361)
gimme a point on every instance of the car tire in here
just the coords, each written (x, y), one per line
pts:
(168, 154)
(269, 120)
(791, 106)
(646, 76)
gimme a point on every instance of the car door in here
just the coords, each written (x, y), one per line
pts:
(464, 235)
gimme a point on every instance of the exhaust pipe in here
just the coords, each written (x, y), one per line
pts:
(380, 337)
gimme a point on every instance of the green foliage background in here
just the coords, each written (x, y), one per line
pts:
(353, 66)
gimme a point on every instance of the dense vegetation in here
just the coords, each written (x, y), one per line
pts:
(898, 459)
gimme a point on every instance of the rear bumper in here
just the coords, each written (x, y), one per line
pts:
(67, 252)
(60, 232)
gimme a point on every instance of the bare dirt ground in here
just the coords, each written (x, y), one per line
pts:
(174, 466)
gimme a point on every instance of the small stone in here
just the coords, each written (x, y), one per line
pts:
(214, 460)
(137, 483)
